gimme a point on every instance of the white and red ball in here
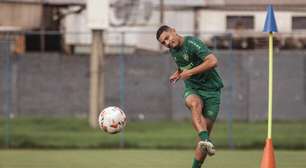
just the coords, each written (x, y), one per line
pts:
(112, 120)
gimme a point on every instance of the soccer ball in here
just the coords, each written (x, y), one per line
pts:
(112, 120)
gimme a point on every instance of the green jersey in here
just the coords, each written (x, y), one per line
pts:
(191, 54)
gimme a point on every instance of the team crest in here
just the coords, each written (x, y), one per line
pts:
(186, 57)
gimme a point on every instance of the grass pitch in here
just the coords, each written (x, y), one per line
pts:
(106, 158)
(63, 133)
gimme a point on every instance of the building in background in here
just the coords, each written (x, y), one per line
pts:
(37, 24)
(209, 19)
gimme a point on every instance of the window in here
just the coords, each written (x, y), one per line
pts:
(299, 23)
(240, 22)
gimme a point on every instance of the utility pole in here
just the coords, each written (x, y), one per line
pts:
(96, 76)
(161, 17)
(97, 11)
(42, 32)
(196, 21)
(161, 10)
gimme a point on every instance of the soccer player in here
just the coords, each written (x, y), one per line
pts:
(196, 66)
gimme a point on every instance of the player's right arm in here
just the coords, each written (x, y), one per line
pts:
(209, 62)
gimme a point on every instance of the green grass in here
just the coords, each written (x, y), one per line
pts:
(106, 158)
(75, 133)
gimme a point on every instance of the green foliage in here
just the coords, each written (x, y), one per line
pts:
(75, 133)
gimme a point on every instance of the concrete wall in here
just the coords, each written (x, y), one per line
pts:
(57, 85)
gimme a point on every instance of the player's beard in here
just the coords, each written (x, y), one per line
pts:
(174, 44)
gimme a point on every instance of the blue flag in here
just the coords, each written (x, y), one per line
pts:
(270, 23)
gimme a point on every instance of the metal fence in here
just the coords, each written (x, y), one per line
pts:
(50, 77)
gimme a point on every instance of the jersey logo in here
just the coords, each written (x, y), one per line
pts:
(186, 57)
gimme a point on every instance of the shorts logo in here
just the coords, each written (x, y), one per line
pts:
(210, 113)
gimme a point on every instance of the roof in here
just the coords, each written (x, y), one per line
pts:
(298, 5)
(65, 2)
(262, 2)
(48, 2)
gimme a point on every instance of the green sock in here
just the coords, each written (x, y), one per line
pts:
(203, 135)
(196, 163)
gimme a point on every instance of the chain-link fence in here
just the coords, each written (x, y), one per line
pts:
(48, 75)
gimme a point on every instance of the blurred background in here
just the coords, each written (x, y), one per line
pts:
(46, 49)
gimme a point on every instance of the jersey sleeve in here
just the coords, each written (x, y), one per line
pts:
(198, 48)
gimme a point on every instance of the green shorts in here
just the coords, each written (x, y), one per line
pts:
(211, 101)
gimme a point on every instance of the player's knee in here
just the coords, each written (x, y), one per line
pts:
(196, 105)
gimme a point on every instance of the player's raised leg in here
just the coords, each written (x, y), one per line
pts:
(200, 155)
(195, 104)
(206, 145)
(202, 126)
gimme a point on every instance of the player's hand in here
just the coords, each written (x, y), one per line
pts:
(186, 74)
(174, 78)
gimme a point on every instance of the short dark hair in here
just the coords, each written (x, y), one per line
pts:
(161, 29)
